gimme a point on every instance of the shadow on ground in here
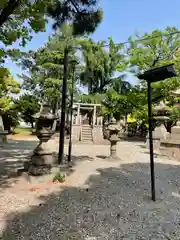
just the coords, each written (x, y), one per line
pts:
(116, 205)
(157, 155)
(12, 156)
(134, 139)
(102, 156)
(76, 158)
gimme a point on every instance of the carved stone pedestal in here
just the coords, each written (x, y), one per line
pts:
(113, 130)
(159, 134)
(113, 149)
(3, 136)
(36, 170)
(41, 161)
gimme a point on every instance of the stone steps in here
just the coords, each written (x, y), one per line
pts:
(86, 134)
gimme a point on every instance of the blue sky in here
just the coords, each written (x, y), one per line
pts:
(123, 18)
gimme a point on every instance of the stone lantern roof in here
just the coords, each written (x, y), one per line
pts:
(161, 107)
(45, 114)
(176, 92)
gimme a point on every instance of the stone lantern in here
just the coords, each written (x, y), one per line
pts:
(114, 130)
(161, 117)
(160, 133)
(42, 158)
(175, 131)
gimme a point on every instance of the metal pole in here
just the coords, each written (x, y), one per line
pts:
(151, 141)
(63, 109)
(71, 118)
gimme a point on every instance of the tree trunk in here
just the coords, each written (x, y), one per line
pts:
(126, 122)
(9, 10)
(32, 124)
(55, 109)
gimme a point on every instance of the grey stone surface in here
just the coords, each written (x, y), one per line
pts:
(3, 134)
(160, 132)
(100, 200)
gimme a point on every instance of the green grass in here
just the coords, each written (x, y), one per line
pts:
(19, 130)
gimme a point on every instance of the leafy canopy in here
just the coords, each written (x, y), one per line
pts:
(45, 66)
(8, 87)
(160, 48)
(19, 19)
(28, 105)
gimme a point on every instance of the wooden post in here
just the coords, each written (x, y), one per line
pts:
(78, 113)
(94, 116)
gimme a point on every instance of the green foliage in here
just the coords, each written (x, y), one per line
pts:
(160, 48)
(119, 98)
(59, 177)
(96, 72)
(45, 66)
(100, 64)
(10, 117)
(117, 103)
(8, 86)
(20, 19)
(28, 105)
(19, 130)
(174, 114)
(84, 15)
(97, 75)
(13, 16)
(90, 98)
(8, 109)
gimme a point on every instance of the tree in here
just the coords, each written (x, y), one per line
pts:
(117, 102)
(101, 61)
(160, 48)
(28, 105)
(157, 49)
(9, 87)
(19, 19)
(100, 64)
(83, 14)
(45, 69)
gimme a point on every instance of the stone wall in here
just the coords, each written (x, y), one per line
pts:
(76, 133)
(171, 149)
(98, 135)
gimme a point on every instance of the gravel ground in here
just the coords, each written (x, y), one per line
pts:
(100, 200)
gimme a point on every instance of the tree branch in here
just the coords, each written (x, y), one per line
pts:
(8, 10)
(74, 5)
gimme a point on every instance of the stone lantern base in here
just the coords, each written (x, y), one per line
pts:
(113, 149)
(41, 161)
(160, 133)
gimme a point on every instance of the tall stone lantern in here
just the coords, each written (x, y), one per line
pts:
(161, 117)
(160, 133)
(176, 128)
(42, 158)
(114, 130)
